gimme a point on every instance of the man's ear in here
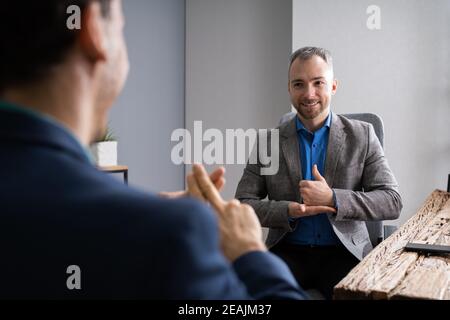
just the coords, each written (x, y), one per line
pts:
(92, 37)
(334, 86)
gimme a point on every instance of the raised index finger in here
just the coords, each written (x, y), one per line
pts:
(207, 188)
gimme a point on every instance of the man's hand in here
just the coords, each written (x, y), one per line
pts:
(217, 178)
(298, 210)
(240, 230)
(316, 193)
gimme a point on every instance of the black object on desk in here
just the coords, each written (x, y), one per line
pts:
(427, 248)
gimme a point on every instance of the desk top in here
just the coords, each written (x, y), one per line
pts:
(388, 272)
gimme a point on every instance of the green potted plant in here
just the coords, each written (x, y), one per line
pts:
(104, 150)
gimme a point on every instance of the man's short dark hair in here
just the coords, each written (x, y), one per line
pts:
(34, 36)
(307, 53)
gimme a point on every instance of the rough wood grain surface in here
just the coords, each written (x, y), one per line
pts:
(390, 273)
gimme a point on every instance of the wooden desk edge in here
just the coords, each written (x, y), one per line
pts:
(113, 168)
(343, 290)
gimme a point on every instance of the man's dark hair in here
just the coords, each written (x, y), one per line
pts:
(34, 36)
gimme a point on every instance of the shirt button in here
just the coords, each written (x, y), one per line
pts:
(314, 145)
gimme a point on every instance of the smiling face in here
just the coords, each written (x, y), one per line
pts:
(311, 85)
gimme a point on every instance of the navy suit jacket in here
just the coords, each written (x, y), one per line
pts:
(58, 210)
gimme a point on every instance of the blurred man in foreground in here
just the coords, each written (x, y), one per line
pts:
(68, 230)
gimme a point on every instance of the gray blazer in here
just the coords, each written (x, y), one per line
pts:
(355, 167)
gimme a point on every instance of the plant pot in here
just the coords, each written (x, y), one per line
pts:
(105, 153)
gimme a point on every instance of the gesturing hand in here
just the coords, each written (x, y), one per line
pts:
(240, 230)
(316, 193)
(298, 210)
(217, 178)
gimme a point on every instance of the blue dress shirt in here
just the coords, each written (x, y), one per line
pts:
(314, 230)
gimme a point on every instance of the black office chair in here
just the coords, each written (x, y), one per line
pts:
(376, 231)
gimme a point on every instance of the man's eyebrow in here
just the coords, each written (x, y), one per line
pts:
(313, 79)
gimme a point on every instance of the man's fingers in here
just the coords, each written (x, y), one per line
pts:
(217, 174)
(316, 174)
(233, 203)
(193, 188)
(173, 195)
(207, 188)
(307, 184)
(220, 183)
(303, 210)
(311, 210)
(216, 177)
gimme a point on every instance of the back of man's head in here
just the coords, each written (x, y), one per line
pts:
(35, 36)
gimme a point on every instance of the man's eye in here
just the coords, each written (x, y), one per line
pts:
(298, 85)
(320, 83)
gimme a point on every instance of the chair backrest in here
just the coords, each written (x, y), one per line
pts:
(375, 228)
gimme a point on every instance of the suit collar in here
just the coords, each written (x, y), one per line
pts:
(288, 128)
(28, 128)
(291, 152)
(336, 141)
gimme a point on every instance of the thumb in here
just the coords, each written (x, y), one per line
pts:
(316, 174)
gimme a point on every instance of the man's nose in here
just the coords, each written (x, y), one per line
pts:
(310, 91)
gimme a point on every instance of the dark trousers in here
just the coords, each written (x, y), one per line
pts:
(316, 267)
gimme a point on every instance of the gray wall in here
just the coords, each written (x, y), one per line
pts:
(152, 104)
(400, 72)
(236, 66)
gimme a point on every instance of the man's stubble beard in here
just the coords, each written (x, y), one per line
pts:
(310, 116)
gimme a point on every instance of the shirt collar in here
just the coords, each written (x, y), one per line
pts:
(301, 127)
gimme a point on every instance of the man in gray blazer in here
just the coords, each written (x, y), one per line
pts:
(332, 177)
